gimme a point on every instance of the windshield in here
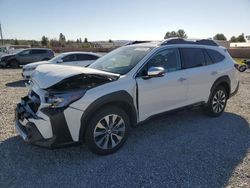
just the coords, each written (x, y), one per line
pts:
(121, 60)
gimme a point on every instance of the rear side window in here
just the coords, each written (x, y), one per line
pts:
(208, 59)
(215, 56)
(38, 51)
(85, 57)
(192, 57)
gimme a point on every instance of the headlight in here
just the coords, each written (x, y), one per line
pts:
(59, 100)
(29, 68)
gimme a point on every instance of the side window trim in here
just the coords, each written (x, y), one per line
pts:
(139, 72)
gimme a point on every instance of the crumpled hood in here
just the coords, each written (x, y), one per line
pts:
(50, 74)
(35, 64)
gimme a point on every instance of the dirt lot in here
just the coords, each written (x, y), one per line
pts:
(186, 149)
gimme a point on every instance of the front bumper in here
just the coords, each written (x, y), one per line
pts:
(26, 123)
(26, 128)
(2, 63)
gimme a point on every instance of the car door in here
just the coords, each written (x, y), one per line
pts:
(84, 60)
(199, 75)
(160, 94)
(24, 57)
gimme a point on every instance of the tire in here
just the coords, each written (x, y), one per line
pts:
(13, 64)
(217, 102)
(104, 137)
(242, 68)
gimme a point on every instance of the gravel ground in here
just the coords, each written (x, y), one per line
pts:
(186, 149)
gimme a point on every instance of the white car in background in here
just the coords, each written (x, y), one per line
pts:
(82, 59)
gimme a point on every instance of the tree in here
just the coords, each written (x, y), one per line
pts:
(44, 41)
(180, 34)
(85, 40)
(62, 40)
(233, 39)
(219, 36)
(110, 41)
(241, 38)
(16, 42)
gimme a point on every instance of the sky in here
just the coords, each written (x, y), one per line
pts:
(124, 19)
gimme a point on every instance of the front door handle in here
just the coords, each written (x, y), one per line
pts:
(182, 79)
(214, 72)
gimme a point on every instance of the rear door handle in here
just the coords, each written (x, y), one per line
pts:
(182, 79)
(214, 72)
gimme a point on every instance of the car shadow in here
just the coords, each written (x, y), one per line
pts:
(185, 149)
(19, 83)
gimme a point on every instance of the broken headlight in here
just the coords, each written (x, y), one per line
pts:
(59, 100)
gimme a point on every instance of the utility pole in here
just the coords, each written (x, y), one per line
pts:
(1, 34)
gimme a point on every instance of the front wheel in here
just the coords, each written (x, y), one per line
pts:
(217, 102)
(14, 64)
(107, 130)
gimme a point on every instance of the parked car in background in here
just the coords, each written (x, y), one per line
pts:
(96, 105)
(26, 56)
(82, 59)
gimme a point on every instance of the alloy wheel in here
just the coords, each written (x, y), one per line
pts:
(219, 101)
(109, 131)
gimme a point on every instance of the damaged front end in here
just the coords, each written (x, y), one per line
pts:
(40, 116)
(72, 89)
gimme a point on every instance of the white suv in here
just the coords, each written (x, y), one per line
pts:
(98, 104)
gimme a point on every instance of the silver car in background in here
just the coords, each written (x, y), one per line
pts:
(82, 59)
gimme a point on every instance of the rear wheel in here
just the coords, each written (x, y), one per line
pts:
(217, 102)
(107, 130)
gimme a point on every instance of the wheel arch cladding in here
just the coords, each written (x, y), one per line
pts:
(121, 99)
(222, 81)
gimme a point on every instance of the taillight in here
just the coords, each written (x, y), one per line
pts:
(236, 66)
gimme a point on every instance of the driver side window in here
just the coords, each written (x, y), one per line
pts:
(169, 59)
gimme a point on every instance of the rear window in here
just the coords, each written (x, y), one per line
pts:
(192, 57)
(215, 56)
(38, 51)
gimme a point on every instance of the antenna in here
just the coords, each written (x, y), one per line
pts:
(1, 34)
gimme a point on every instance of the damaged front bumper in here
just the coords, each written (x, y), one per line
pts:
(32, 127)
(25, 120)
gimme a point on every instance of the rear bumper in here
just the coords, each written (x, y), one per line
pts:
(235, 91)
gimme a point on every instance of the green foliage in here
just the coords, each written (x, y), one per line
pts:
(44, 41)
(219, 36)
(85, 40)
(240, 38)
(16, 42)
(180, 34)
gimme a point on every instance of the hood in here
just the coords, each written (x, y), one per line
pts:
(7, 56)
(35, 64)
(49, 75)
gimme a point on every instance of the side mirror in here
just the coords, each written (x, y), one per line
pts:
(155, 72)
(60, 61)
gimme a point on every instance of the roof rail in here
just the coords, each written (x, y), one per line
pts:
(136, 42)
(184, 41)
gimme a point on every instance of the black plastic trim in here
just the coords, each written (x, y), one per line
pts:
(59, 126)
(221, 80)
(119, 98)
